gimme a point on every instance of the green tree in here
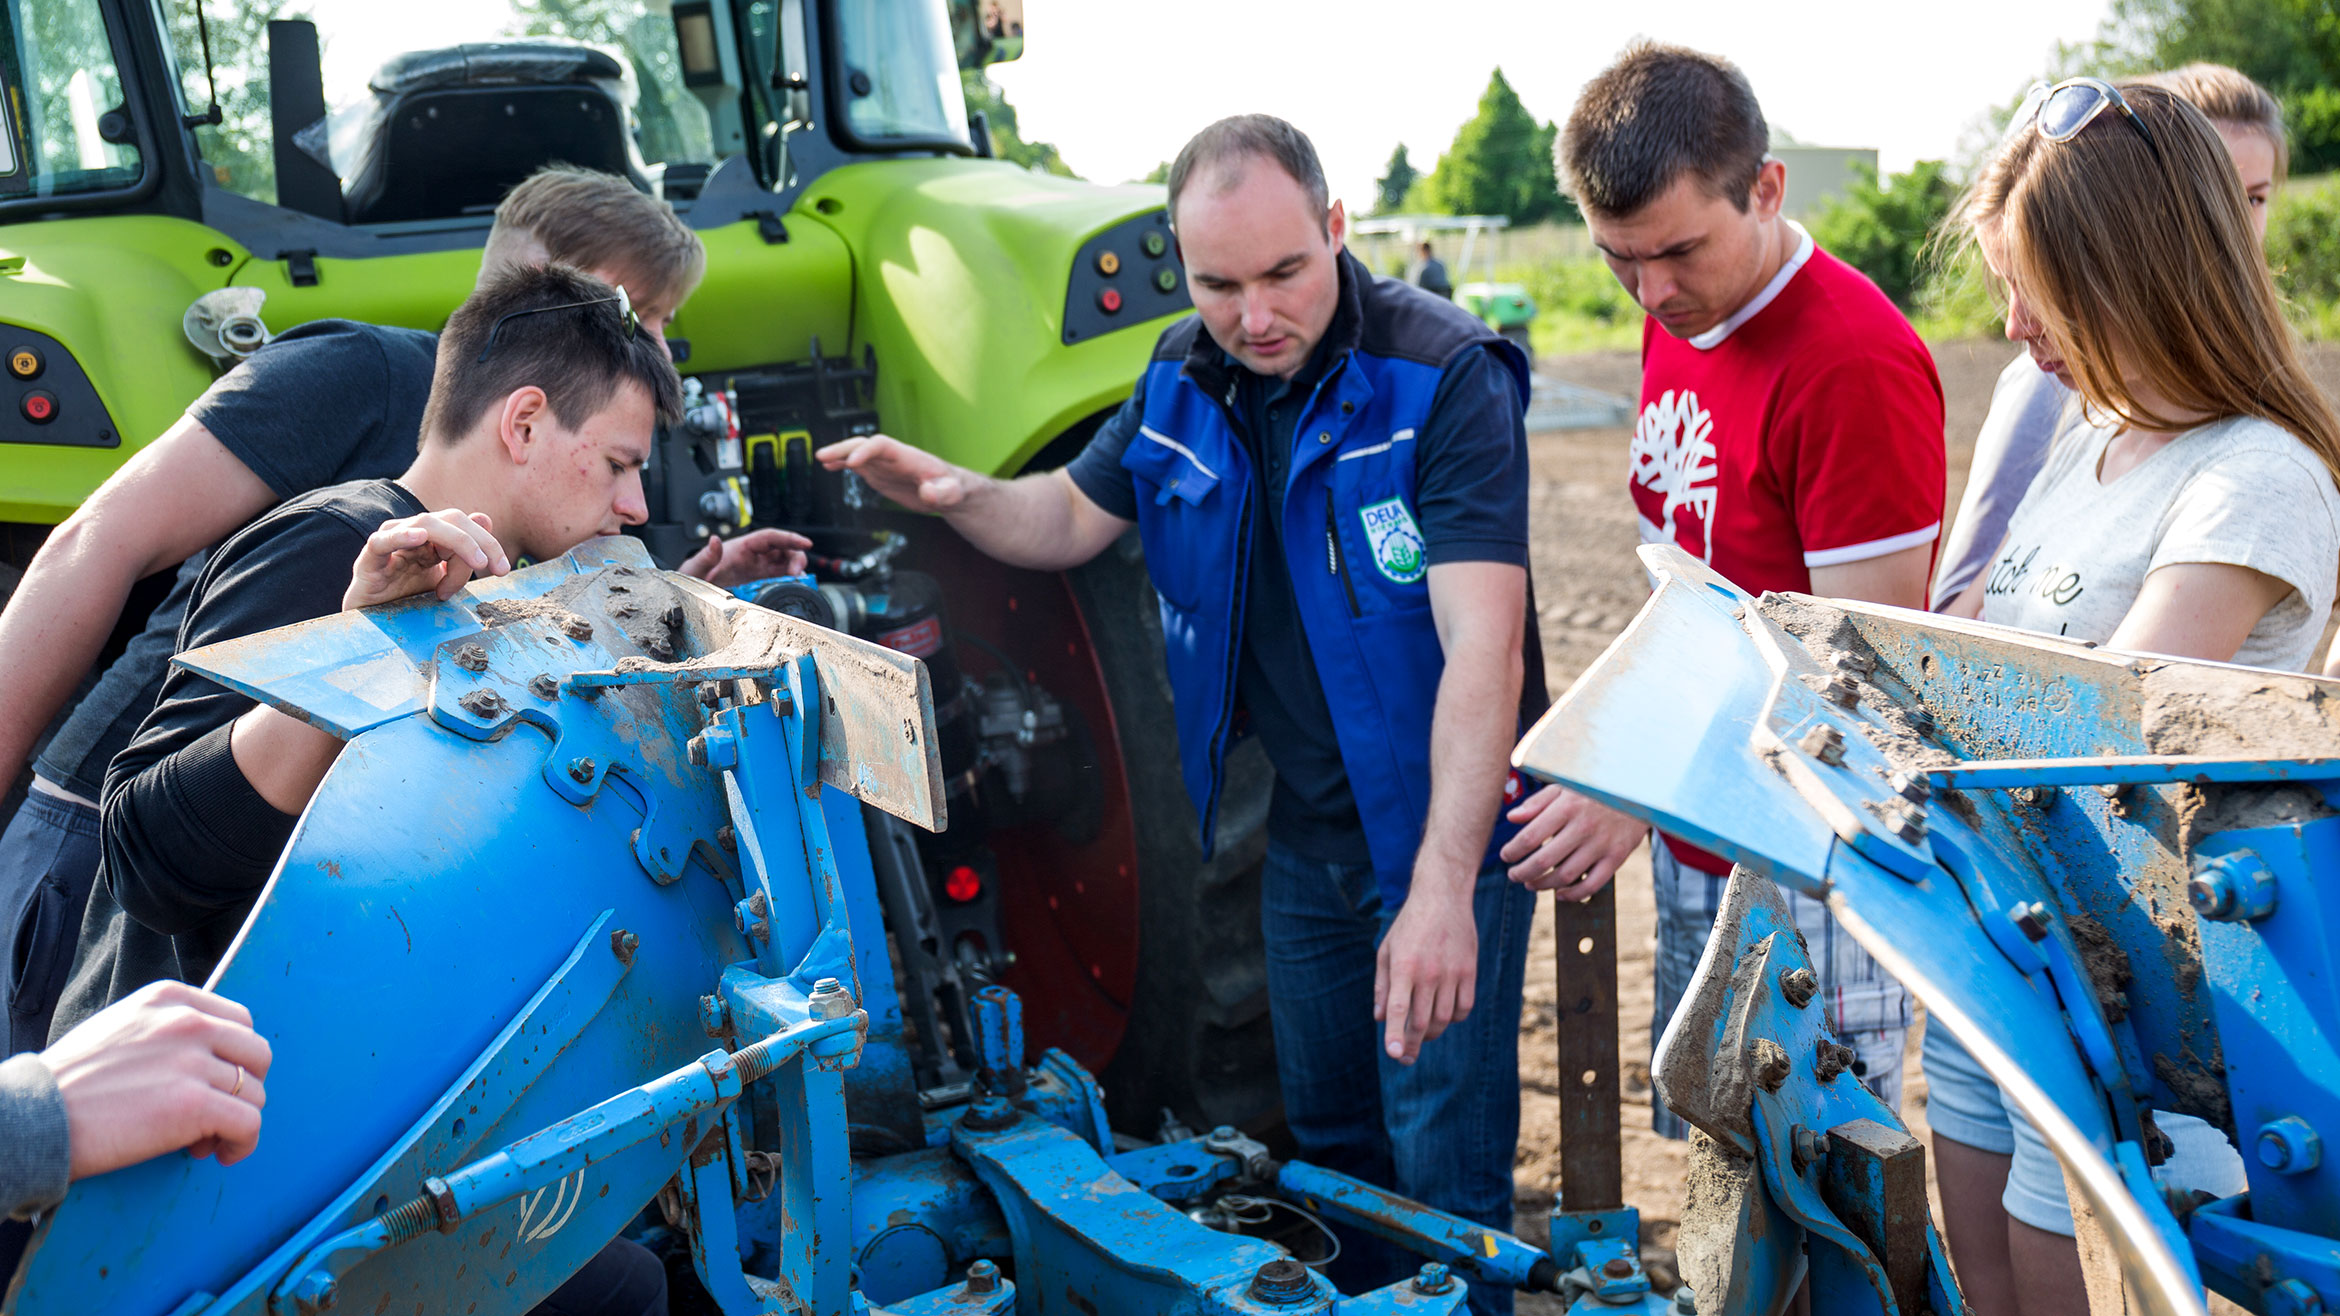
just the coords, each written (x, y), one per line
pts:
(1158, 174)
(1396, 180)
(1884, 228)
(2290, 47)
(1007, 141)
(239, 151)
(1500, 164)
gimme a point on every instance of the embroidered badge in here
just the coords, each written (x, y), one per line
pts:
(1396, 540)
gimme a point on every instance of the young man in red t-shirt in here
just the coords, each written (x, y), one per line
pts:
(1790, 436)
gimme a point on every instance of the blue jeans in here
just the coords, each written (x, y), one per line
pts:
(1442, 1130)
(48, 859)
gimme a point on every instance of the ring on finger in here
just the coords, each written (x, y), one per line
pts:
(239, 1087)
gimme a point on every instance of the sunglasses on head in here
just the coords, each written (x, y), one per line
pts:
(627, 317)
(2060, 111)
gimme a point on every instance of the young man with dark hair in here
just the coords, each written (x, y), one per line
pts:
(541, 413)
(543, 402)
(325, 403)
(1790, 436)
(1329, 472)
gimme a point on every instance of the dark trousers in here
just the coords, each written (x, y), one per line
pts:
(1442, 1130)
(48, 859)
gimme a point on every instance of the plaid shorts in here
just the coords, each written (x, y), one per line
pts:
(1870, 1011)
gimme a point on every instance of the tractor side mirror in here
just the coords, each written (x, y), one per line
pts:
(15, 168)
(987, 31)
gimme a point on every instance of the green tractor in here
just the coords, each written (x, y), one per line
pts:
(869, 265)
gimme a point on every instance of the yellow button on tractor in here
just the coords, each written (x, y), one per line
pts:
(24, 362)
(1108, 263)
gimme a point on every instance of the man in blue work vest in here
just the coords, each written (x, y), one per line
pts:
(1329, 473)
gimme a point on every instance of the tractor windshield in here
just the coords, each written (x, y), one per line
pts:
(62, 125)
(366, 46)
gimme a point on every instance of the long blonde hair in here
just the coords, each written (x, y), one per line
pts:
(2149, 264)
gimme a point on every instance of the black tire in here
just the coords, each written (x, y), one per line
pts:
(1199, 1042)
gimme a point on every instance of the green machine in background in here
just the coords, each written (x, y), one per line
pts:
(1506, 308)
(174, 190)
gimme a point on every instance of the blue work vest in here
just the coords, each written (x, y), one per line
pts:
(1352, 542)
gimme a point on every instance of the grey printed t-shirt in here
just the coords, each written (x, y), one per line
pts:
(2240, 491)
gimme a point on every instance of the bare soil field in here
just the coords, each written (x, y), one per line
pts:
(1589, 585)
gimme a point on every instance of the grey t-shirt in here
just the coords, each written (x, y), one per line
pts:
(2239, 491)
(2027, 408)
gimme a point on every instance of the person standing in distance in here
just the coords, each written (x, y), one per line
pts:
(1430, 273)
(1329, 473)
(1790, 437)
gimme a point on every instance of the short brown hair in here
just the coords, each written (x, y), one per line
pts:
(573, 344)
(2226, 95)
(1248, 135)
(598, 221)
(1656, 114)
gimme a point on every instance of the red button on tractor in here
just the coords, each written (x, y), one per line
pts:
(963, 884)
(1109, 300)
(39, 406)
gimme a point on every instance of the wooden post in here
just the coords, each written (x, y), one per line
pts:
(1592, 1169)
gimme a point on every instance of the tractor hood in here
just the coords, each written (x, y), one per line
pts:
(970, 276)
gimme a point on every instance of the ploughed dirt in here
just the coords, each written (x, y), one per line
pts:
(1588, 586)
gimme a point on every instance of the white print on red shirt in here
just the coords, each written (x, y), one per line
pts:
(1673, 455)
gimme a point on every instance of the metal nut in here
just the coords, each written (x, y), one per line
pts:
(1916, 787)
(471, 658)
(623, 944)
(1798, 986)
(1617, 1268)
(1858, 664)
(830, 1000)
(1434, 1278)
(1808, 1146)
(1825, 743)
(581, 770)
(1908, 823)
(486, 705)
(2032, 918)
(988, 1113)
(982, 1278)
(1832, 1058)
(2289, 1146)
(1843, 691)
(543, 686)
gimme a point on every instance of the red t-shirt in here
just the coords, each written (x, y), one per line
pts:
(1804, 431)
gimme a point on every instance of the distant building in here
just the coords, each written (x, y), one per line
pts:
(1814, 172)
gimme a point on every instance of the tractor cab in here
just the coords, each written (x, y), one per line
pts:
(360, 128)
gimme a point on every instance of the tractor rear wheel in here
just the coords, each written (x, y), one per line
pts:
(1198, 1042)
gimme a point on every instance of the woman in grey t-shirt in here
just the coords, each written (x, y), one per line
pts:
(2027, 404)
(2188, 507)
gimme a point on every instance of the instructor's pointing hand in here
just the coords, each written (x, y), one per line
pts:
(910, 476)
(1425, 976)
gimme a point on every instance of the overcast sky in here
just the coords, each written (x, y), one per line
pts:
(1118, 85)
